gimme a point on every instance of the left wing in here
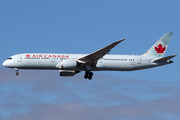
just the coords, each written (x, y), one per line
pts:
(91, 59)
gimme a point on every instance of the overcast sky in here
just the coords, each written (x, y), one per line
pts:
(79, 26)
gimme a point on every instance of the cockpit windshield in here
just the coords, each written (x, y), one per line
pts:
(10, 58)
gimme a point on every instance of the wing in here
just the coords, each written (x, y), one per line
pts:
(91, 59)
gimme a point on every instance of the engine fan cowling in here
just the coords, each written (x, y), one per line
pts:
(66, 73)
(67, 64)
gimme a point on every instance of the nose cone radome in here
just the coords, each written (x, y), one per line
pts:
(8, 63)
(5, 64)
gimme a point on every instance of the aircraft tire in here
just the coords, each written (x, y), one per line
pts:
(85, 76)
(90, 77)
(17, 73)
(90, 74)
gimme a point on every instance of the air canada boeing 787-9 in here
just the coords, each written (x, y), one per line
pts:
(71, 64)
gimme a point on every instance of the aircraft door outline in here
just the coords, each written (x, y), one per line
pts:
(139, 60)
(19, 58)
(53, 59)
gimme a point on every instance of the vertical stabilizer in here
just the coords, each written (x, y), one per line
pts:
(159, 48)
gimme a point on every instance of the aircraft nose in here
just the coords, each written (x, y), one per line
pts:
(4, 63)
(8, 64)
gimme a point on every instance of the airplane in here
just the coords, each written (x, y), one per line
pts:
(100, 60)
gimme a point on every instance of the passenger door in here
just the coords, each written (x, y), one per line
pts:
(53, 59)
(19, 58)
(139, 60)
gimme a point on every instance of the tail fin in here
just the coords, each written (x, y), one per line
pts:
(159, 48)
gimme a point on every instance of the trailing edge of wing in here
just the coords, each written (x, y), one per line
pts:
(164, 59)
(93, 57)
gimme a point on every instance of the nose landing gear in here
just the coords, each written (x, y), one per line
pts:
(17, 73)
(16, 69)
(88, 74)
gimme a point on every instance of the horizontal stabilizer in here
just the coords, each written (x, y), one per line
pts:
(164, 59)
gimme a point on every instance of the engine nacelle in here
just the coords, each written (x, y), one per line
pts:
(66, 73)
(67, 64)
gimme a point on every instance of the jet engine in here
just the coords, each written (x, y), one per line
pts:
(67, 64)
(67, 72)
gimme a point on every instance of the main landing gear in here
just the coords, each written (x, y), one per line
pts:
(88, 74)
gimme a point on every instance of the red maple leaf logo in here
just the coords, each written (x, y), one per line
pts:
(27, 55)
(160, 49)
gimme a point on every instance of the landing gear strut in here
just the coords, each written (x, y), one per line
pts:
(88, 74)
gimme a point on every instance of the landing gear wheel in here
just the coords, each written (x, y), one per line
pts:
(17, 73)
(88, 74)
(90, 77)
(85, 76)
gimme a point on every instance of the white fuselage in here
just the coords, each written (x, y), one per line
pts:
(55, 61)
(71, 64)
